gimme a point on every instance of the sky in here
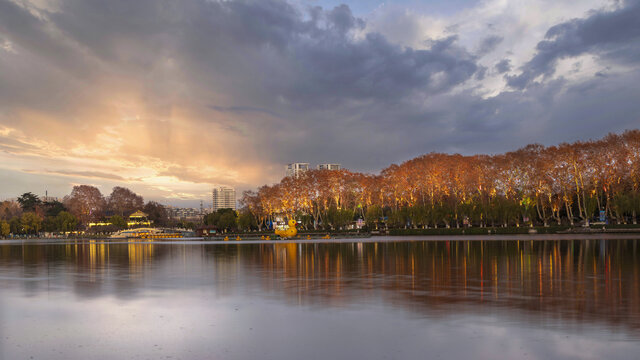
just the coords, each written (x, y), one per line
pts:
(171, 98)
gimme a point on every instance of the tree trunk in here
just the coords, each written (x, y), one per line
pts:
(569, 213)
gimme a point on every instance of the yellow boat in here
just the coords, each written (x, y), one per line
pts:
(288, 232)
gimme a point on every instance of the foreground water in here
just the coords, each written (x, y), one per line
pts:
(545, 299)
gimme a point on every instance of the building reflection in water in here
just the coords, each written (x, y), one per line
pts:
(563, 280)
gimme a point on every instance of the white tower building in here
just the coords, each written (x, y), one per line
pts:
(224, 198)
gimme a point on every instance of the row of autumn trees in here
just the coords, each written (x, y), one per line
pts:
(535, 185)
(86, 204)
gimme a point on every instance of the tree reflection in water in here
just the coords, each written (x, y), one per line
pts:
(571, 280)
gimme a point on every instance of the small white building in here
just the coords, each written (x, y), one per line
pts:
(295, 169)
(329, 167)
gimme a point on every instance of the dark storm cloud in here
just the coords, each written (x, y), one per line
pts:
(489, 44)
(503, 66)
(550, 113)
(374, 69)
(343, 20)
(30, 33)
(614, 35)
(266, 50)
(38, 64)
(243, 110)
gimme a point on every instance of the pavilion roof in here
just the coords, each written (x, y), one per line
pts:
(138, 214)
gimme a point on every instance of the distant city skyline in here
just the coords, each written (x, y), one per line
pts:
(148, 99)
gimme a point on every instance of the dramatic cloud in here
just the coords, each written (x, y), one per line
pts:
(489, 44)
(503, 66)
(170, 98)
(612, 35)
(82, 174)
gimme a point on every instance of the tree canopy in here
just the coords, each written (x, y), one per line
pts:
(86, 203)
(28, 201)
(222, 219)
(533, 185)
(157, 213)
(31, 222)
(118, 222)
(124, 202)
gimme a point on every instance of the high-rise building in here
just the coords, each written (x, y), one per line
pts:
(224, 198)
(295, 169)
(329, 167)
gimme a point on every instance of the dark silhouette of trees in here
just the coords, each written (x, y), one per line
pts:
(9, 210)
(86, 203)
(156, 213)
(246, 220)
(29, 201)
(52, 208)
(124, 202)
(222, 219)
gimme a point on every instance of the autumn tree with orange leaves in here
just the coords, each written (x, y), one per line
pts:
(535, 185)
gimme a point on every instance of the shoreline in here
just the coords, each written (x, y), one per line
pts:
(373, 239)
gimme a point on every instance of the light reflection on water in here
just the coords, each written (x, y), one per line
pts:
(449, 299)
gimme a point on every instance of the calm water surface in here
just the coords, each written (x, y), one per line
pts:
(552, 299)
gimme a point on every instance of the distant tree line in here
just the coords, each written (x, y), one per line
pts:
(86, 204)
(535, 185)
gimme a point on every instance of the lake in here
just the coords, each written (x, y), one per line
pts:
(392, 299)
